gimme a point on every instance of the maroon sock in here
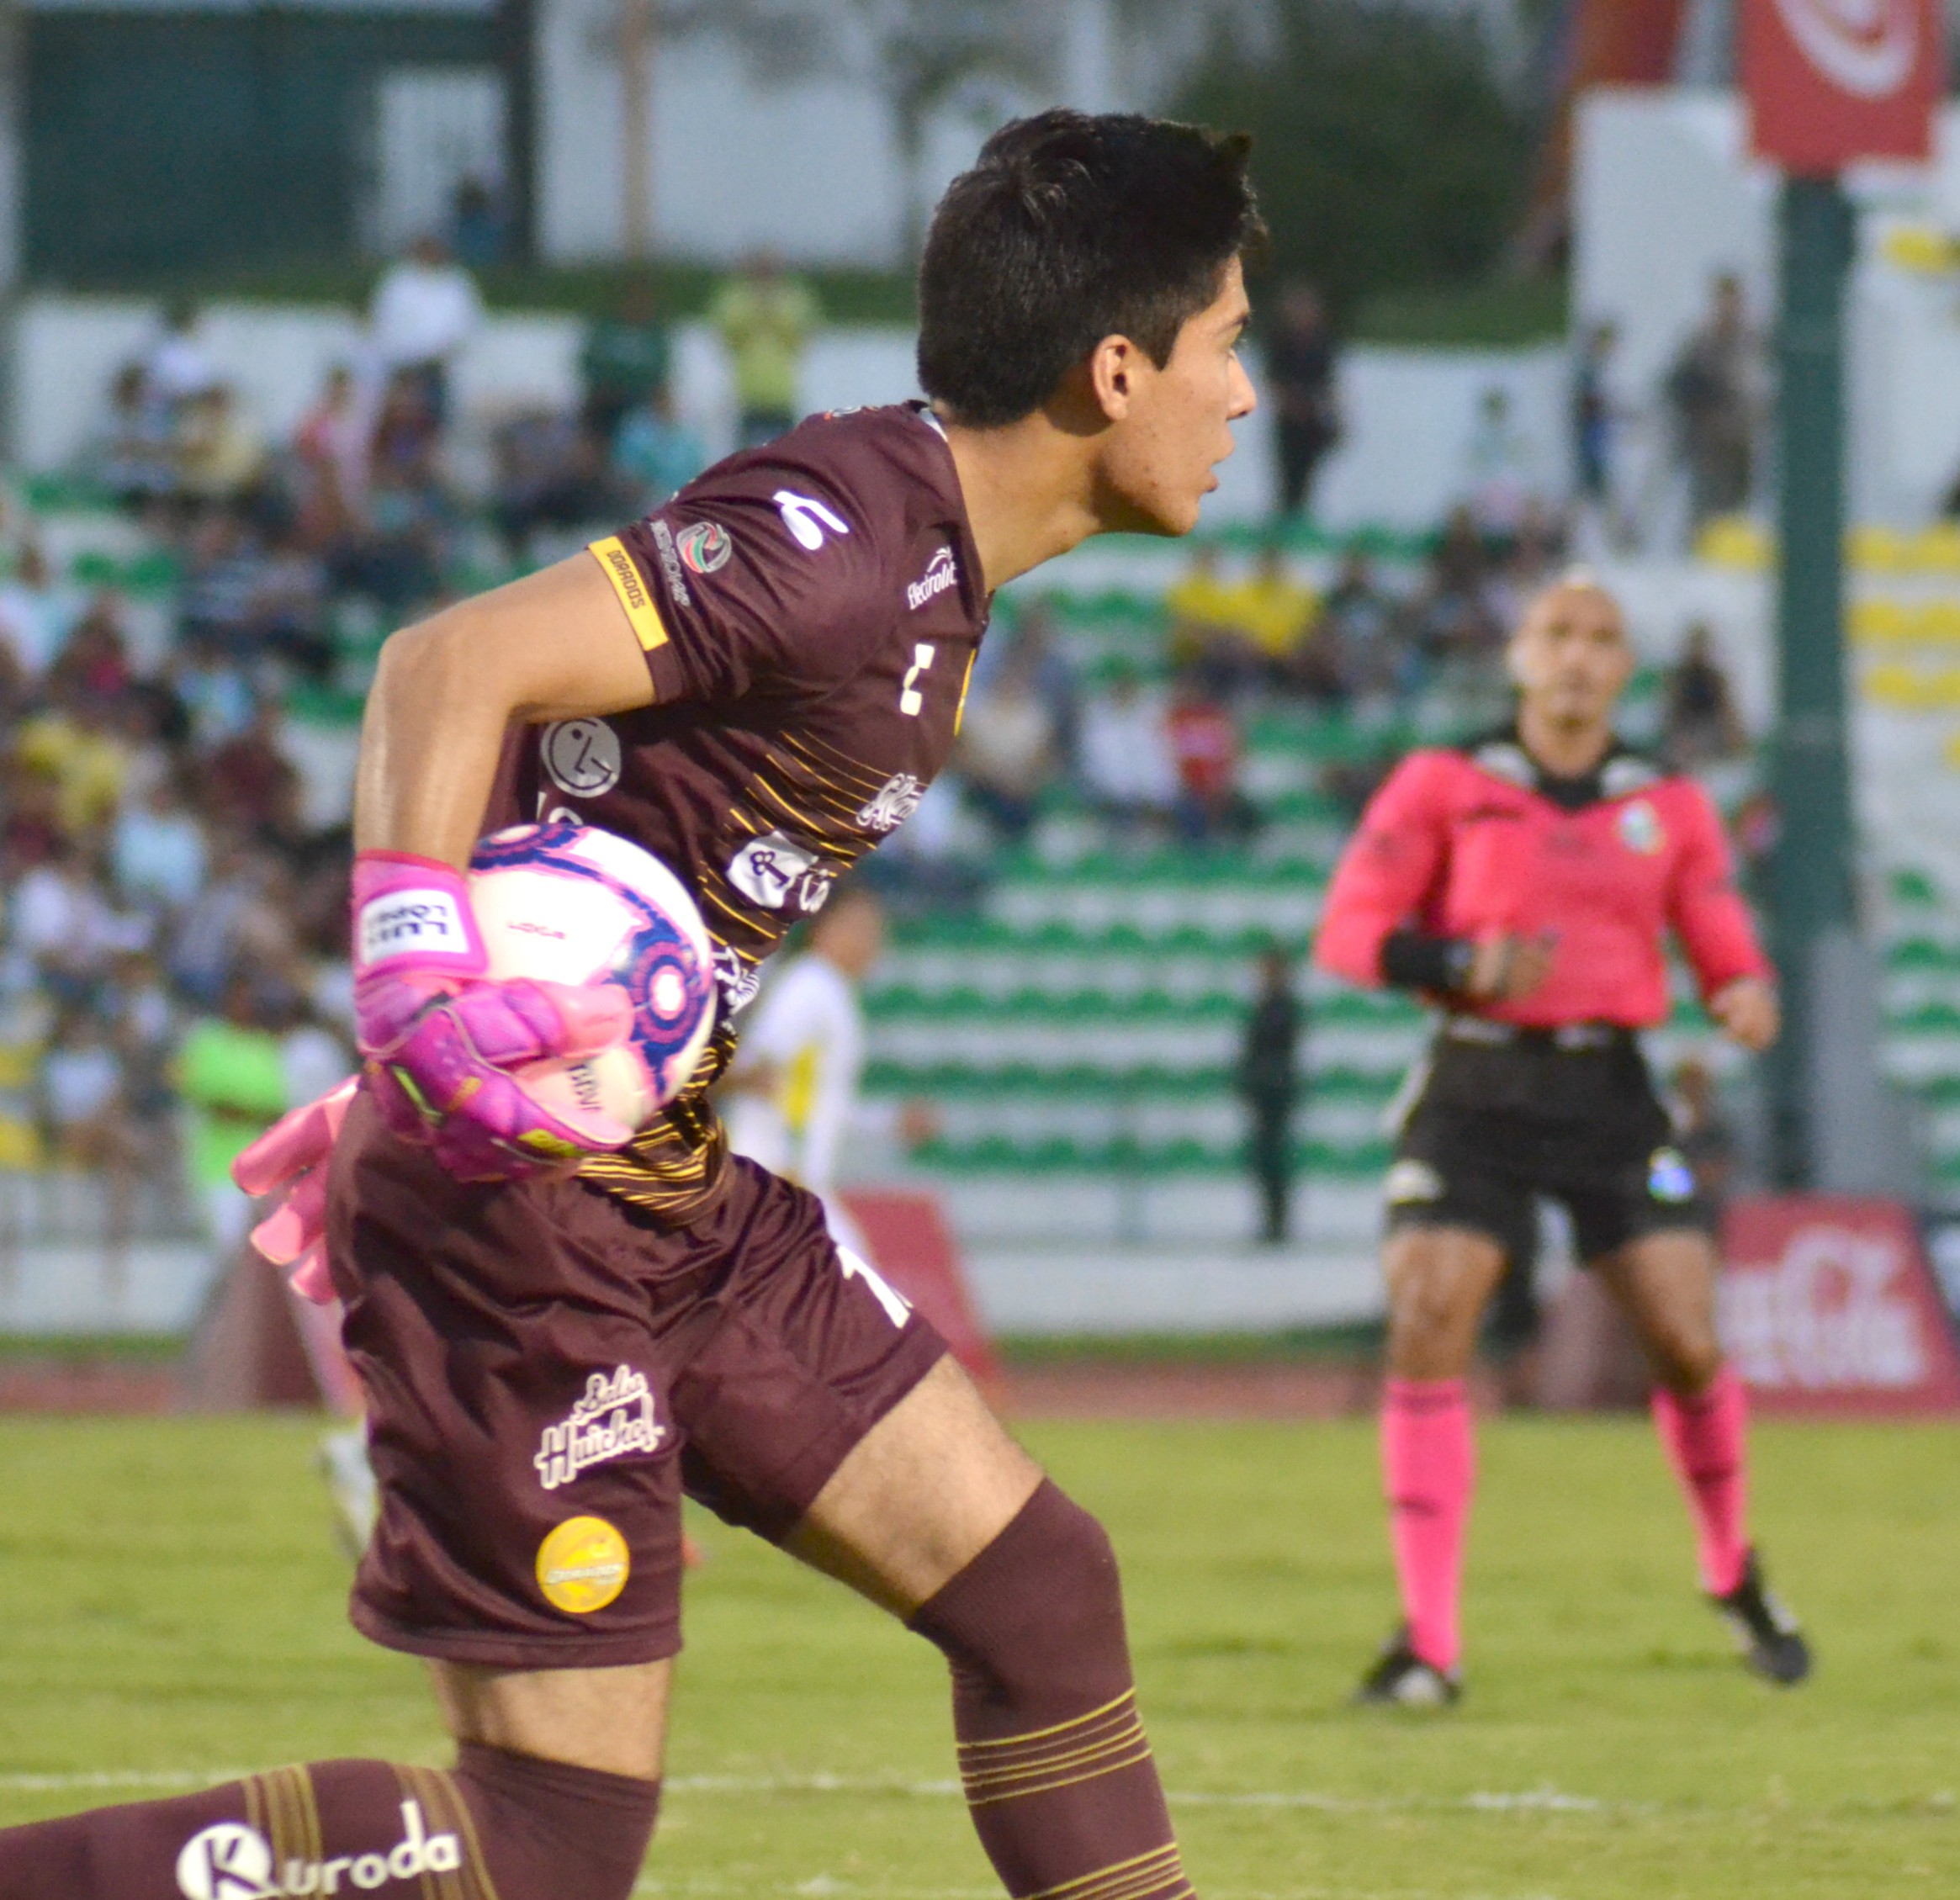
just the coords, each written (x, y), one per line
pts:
(1057, 1772)
(502, 1826)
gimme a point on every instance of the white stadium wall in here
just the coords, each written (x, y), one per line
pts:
(1665, 197)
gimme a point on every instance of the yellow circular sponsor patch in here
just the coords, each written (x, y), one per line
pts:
(582, 1565)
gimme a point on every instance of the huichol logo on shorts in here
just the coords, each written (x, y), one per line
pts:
(615, 1416)
(229, 1860)
(705, 547)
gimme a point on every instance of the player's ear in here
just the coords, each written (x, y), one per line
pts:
(1113, 368)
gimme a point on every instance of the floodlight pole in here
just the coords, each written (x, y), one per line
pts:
(1812, 873)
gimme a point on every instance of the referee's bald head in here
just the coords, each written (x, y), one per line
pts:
(1577, 589)
(1569, 658)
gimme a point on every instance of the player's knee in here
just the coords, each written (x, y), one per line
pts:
(1037, 1616)
(1433, 1321)
(548, 1829)
(1686, 1360)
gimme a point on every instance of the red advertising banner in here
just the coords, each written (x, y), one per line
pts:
(1826, 1307)
(912, 1245)
(1831, 81)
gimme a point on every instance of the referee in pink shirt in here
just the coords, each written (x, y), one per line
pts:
(1526, 884)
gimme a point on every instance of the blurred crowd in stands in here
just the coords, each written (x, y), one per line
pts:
(172, 970)
(1150, 742)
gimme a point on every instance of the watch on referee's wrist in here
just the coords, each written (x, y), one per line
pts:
(1412, 960)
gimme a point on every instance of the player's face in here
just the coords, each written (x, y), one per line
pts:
(1570, 658)
(1175, 425)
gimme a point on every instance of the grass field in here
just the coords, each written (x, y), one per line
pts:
(170, 1606)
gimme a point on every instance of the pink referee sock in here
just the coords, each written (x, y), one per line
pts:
(1428, 1464)
(1707, 1442)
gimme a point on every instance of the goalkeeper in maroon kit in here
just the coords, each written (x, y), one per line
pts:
(1526, 884)
(561, 1327)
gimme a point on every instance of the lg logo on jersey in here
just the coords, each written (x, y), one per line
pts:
(807, 518)
(582, 756)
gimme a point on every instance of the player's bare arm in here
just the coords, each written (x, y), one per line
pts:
(552, 646)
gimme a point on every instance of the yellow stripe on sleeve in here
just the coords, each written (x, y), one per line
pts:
(611, 556)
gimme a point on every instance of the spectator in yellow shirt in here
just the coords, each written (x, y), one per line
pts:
(74, 747)
(1258, 632)
(765, 317)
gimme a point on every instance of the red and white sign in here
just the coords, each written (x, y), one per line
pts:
(914, 1248)
(1832, 81)
(1825, 1306)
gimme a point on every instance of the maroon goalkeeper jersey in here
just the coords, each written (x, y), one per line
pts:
(810, 612)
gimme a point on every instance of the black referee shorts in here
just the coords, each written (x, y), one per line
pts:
(1502, 1117)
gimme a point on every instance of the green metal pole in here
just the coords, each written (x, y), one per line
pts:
(1811, 881)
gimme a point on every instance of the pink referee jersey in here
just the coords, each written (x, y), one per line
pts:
(1468, 845)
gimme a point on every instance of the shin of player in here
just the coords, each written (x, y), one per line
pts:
(1526, 885)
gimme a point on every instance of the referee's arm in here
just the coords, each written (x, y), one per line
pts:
(1389, 866)
(1712, 921)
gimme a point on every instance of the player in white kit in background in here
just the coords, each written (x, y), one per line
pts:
(791, 1100)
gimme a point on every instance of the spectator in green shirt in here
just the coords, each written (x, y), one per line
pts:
(231, 1077)
(623, 362)
(765, 317)
(656, 451)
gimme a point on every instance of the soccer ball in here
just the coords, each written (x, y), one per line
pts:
(565, 903)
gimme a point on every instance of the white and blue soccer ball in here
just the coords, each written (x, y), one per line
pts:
(565, 903)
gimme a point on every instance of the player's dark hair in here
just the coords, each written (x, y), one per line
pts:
(1074, 227)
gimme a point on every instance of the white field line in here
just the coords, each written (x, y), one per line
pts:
(1528, 1800)
(1523, 1800)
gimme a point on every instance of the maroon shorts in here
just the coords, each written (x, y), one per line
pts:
(548, 1369)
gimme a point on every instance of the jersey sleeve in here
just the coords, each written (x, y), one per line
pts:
(1387, 870)
(761, 578)
(1707, 912)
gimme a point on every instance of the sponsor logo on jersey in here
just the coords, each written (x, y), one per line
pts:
(614, 1418)
(739, 981)
(618, 568)
(1669, 1176)
(780, 874)
(807, 518)
(583, 1566)
(229, 1860)
(1409, 1181)
(898, 798)
(670, 557)
(1639, 827)
(941, 572)
(581, 756)
(705, 547)
(411, 922)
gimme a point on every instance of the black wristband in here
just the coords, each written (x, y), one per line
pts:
(1440, 965)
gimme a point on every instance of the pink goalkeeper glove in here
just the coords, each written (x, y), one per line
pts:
(446, 1045)
(293, 1154)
